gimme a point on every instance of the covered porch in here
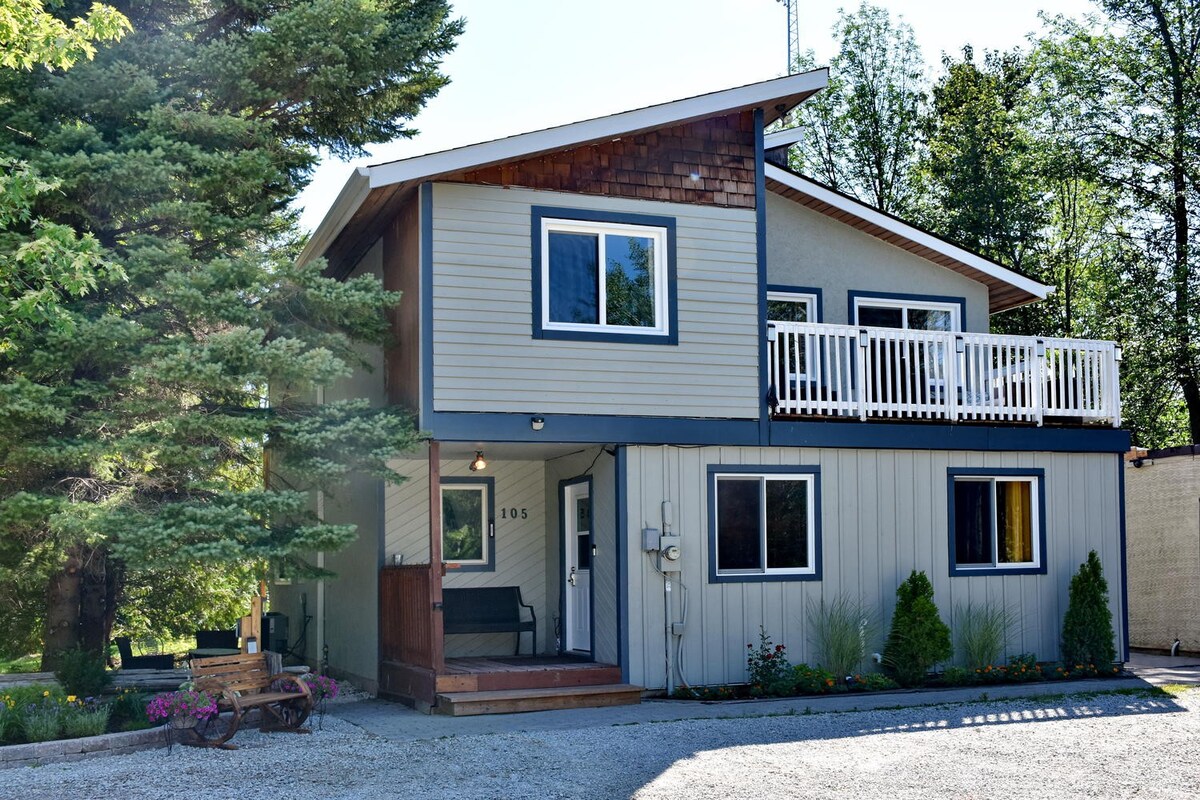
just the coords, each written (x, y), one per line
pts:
(498, 580)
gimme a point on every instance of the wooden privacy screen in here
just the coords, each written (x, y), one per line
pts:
(409, 629)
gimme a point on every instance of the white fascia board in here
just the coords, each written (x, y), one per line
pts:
(868, 214)
(348, 201)
(782, 138)
(576, 133)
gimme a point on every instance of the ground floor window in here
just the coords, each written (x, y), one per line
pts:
(764, 523)
(468, 528)
(997, 521)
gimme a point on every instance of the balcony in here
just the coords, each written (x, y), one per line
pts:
(848, 371)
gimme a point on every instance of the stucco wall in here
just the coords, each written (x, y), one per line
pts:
(1162, 515)
(807, 248)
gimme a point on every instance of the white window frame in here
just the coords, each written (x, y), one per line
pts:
(810, 484)
(484, 528)
(1035, 522)
(808, 299)
(915, 305)
(600, 230)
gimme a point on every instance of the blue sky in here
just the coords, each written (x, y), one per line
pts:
(522, 65)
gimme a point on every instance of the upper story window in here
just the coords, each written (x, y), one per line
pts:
(910, 312)
(785, 304)
(997, 521)
(764, 523)
(603, 276)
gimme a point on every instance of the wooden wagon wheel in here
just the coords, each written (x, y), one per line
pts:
(215, 731)
(287, 714)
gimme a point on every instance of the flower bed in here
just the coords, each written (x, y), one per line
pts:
(772, 676)
(43, 713)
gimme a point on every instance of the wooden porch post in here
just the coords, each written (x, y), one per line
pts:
(437, 638)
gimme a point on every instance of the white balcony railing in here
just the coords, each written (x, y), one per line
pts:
(874, 373)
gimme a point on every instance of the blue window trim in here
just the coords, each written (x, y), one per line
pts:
(539, 213)
(859, 294)
(985, 472)
(760, 469)
(562, 560)
(813, 290)
(490, 566)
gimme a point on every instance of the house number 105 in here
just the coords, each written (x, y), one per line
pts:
(514, 513)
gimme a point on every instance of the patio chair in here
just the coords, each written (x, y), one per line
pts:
(130, 661)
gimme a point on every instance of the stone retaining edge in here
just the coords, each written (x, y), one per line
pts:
(109, 744)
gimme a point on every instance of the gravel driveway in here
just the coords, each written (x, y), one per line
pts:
(1081, 746)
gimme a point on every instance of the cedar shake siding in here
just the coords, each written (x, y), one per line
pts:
(657, 165)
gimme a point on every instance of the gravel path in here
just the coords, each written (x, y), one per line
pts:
(1082, 746)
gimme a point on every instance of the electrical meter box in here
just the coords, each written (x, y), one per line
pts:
(668, 553)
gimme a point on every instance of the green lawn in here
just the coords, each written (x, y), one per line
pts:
(22, 664)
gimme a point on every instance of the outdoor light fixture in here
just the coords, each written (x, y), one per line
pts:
(864, 338)
(479, 463)
(1041, 349)
(537, 423)
(959, 345)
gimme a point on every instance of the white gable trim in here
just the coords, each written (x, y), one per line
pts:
(576, 133)
(893, 225)
(784, 138)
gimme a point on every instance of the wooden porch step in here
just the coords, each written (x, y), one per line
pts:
(551, 677)
(515, 701)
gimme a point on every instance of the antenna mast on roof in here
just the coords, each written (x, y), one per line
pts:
(793, 31)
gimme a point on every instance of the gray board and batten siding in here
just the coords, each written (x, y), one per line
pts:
(884, 513)
(485, 358)
(807, 248)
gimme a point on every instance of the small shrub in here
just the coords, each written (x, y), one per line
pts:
(918, 638)
(1087, 634)
(42, 721)
(82, 673)
(84, 718)
(126, 707)
(770, 674)
(876, 682)
(813, 680)
(841, 630)
(981, 633)
(1024, 668)
(959, 676)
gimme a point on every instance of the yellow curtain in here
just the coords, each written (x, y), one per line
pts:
(1016, 521)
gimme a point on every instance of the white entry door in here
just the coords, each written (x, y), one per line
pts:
(577, 578)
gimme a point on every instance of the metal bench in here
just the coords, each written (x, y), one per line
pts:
(488, 609)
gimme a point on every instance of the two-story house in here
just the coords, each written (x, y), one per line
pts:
(676, 392)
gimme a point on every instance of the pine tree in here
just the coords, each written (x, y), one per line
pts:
(133, 417)
(1087, 634)
(918, 638)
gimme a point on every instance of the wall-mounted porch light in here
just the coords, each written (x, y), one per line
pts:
(864, 338)
(537, 423)
(479, 463)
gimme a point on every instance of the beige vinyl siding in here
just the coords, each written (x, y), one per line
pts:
(520, 544)
(485, 356)
(884, 513)
(807, 248)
